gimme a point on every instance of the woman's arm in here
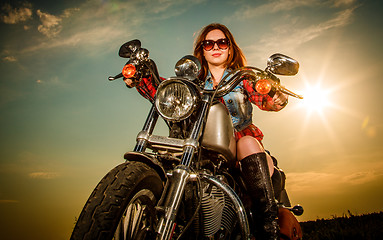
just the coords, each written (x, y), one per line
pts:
(144, 87)
(264, 101)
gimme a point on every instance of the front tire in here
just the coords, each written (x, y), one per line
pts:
(122, 205)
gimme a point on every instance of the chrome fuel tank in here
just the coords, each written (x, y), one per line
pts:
(219, 132)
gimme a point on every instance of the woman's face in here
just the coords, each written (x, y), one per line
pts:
(216, 56)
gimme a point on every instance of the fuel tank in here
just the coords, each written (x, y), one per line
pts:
(219, 132)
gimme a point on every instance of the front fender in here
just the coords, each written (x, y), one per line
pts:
(147, 159)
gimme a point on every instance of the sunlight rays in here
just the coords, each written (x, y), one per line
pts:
(318, 107)
(316, 99)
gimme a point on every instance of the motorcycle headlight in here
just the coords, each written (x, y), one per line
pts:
(175, 100)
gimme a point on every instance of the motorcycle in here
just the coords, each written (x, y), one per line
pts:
(185, 185)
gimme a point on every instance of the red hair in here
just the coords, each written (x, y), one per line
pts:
(236, 58)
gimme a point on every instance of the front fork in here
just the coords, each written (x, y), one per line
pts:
(180, 177)
(181, 173)
(174, 194)
(178, 180)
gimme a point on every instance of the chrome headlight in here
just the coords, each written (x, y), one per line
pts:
(175, 100)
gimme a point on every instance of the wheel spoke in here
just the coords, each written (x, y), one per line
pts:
(134, 222)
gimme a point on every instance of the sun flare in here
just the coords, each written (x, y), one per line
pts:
(315, 99)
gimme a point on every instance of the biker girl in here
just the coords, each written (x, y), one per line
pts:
(219, 54)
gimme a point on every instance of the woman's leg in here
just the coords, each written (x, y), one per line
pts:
(255, 171)
(247, 146)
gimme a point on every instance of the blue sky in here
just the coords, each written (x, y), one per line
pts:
(64, 125)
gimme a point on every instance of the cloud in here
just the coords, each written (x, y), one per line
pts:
(9, 59)
(291, 29)
(248, 12)
(309, 181)
(341, 173)
(340, 3)
(68, 12)
(50, 26)
(99, 24)
(53, 81)
(16, 15)
(43, 175)
(277, 6)
(165, 6)
(104, 22)
(300, 36)
(315, 182)
(293, 33)
(31, 165)
(88, 38)
(359, 178)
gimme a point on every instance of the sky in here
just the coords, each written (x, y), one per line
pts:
(63, 125)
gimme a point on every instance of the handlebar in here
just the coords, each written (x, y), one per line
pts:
(141, 66)
(249, 73)
(288, 92)
(224, 87)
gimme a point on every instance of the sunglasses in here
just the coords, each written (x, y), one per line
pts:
(222, 43)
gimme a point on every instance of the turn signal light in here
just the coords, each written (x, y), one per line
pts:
(263, 86)
(129, 70)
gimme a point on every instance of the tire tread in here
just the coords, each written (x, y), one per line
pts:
(104, 207)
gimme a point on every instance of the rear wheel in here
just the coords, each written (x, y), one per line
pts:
(122, 205)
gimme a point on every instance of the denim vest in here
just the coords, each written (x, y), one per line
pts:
(240, 108)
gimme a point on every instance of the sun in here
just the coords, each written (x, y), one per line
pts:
(315, 99)
(319, 107)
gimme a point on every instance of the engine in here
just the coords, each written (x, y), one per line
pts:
(218, 213)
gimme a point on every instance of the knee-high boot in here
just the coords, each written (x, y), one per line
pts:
(255, 173)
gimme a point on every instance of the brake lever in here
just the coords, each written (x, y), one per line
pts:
(110, 78)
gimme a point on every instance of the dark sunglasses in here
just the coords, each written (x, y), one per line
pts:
(222, 43)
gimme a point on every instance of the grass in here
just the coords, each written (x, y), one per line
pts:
(361, 227)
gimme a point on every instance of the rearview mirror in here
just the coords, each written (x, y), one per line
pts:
(188, 67)
(128, 48)
(282, 65)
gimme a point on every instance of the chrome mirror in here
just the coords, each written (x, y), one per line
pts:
(128, 48)
(188, 67)
(282, 65)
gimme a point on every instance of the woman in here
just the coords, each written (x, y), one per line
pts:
(219, 54)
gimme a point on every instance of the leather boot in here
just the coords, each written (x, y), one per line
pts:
(255, 173)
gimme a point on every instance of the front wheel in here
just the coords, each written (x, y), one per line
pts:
(122, 205)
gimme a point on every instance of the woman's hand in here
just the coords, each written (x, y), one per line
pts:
(129, 82)
(280, 99)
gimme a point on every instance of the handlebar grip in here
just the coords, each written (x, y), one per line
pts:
(110, 78)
